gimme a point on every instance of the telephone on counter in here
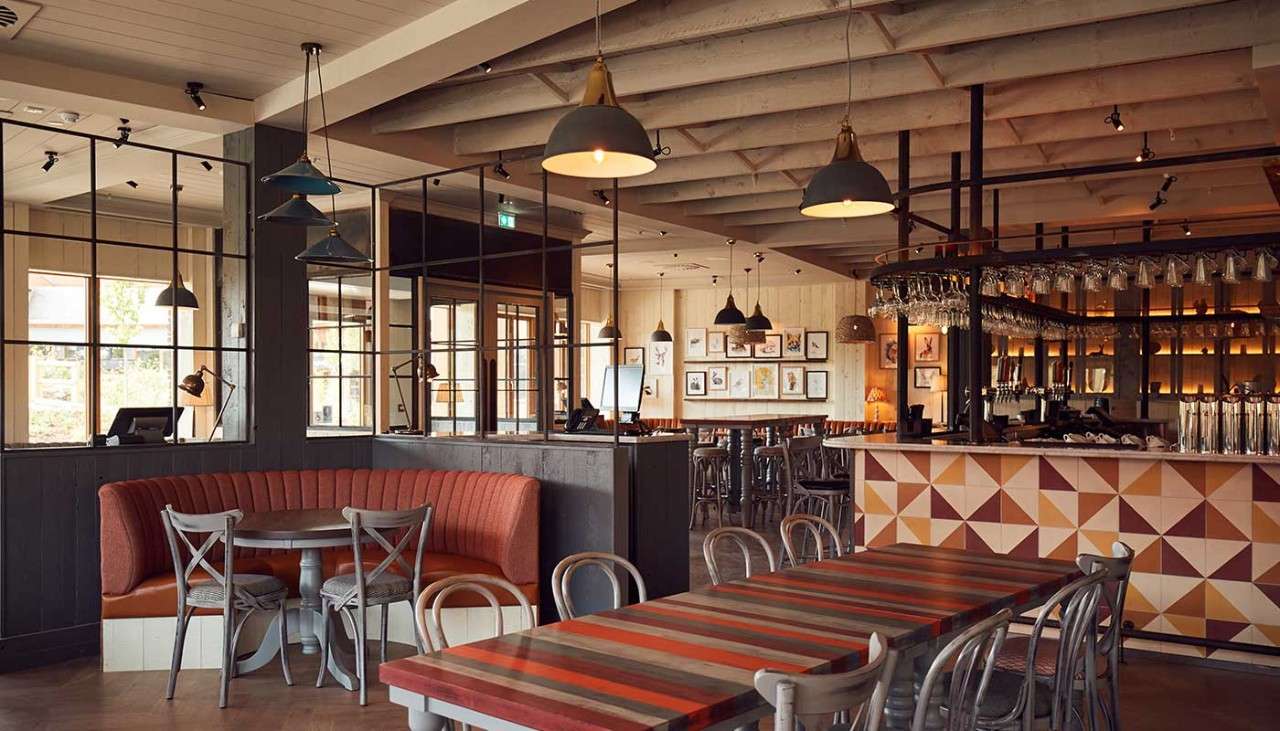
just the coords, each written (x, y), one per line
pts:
(582, 418)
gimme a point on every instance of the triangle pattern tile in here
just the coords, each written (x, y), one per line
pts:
(874, 469)
(1052, 515)
(1132, 521)
(1191, 604)
(881, 530)
(1265, 487)
(1146, 551)
(1228, 520)
(1054, 539)
(988, 511)
(874, 502)
(1099, 509)
(1145, 482)
(1097, 542)
(912, 499)
(1266, 563)
(941, 505)
(1266, 529)
(1192, 473)
(1191, 549)
(1227, 600)
(1237, 567)
(982, 469)
(1014, 470)
(913, 530)
(1185, 626)
(974, 541)
(1191, 525)
(1270, 633)
(1028, 547)
(956, 539)
(950, 471)
(1012, 512)
(941, 530)
(1106, 470)
(1173, 563)
(1217, 629)
(1228, 481)
(1066, 550)
(913, 467)
(1051, 478)
(1272, 593)
(860, 531)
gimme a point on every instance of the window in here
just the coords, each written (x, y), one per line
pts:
(98, 330)
(341, 377)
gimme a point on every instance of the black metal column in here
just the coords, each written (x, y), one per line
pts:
(977, 353)
(904, 241)
(1144, 388)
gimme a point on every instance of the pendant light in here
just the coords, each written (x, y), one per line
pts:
(302, 178)
(730, 314)
(660, 335)
(177, 295)
(848, 187)
(609, 331)
(758, 321)
(599, 139)
(856, 329)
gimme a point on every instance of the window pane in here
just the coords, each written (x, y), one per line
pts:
(135, 195)
(57, 309)
(46, 395)
(201, 405)
(134, 377)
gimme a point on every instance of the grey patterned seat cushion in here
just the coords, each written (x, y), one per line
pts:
(388, 587)
(209, 593)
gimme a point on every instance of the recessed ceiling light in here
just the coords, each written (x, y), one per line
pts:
(33, 109)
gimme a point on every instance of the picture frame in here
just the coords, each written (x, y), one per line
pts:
(660, 357)
(695, 383)
(734, 350)
(927, 347)
(771, 347)
(718, 378)
(887, 348)
(695, 342)
(816, 385)
(740, 381)
(792, 381)
(924, 376)
(715, 343)
(633, 356)
(817, 344)
(764, 380)
(794, 343)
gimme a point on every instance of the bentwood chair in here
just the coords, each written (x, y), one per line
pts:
(427, 608)
(710, 486)
(742, 537)
(1044, 693)
(815, 699)
(970, 661)
(562, 576)
(237, 595)
(812, 528)
(380, 586)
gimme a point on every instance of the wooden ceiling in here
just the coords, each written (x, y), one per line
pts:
(748, 96)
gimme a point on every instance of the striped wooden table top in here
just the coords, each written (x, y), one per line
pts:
(687, 661)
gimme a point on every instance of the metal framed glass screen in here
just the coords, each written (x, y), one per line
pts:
(124, 268)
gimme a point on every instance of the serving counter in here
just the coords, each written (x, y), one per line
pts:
(1205, 528)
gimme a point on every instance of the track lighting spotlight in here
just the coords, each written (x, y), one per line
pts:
(435, 181)
(193, 91)
(1169, 180)
(1113, 119)
(485, 67)
(206, 165)
(1158, 201)
(662, 234)
(502, 199)
(501, 171)
(131, 183)
(51, 159)
(124, 129)
(1146, 152)
(600, 196)
(715, 280)
(1186, 229)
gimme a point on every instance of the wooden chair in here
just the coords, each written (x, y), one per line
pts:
(426, 610)
(562, 576)
(770, 494)
(812, 491)
(710, 486)
(741, 537)
(235, 594)
(970, 661)
(814, 528)
(379, 586)
(815, 699)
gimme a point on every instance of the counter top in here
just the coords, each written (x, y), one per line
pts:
(595, 439)
(893, 442)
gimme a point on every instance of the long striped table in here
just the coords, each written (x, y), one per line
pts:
(687, 661)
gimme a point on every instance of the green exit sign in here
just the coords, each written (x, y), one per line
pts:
(506, 220)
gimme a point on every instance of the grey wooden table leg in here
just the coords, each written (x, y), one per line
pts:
(900, 701)
(310, 578)
(933, 717)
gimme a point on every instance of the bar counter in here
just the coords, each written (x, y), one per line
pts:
(1205, 528)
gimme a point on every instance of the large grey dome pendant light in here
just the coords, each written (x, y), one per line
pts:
(848, 187)
(599, 139)
(730, 314)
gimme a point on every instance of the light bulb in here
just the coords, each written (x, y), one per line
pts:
(848, 202)
(598, 154)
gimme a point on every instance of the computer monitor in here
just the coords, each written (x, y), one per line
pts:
(143, 423)
(630, 388)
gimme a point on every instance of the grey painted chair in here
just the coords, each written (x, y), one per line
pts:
(710, 486)
(427, 608)
(1109, 643)
(770, 493)
(740, 537)
(813, 528)
(355, 592)
(969, 659)
(562, 576)
(237, 595)
(816, 699)
(812, 490)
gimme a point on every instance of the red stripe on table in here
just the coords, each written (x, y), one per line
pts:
(674, 647)
(954, 564)
(739, 612)
(497, 699)
(917, 598)
(852, 567)
(776, 632)
(590, 682)
(845, 606)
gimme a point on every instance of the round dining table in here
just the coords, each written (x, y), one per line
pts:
(306, 531)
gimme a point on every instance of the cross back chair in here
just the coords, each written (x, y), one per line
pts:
(970, 659)
(816, 699)
(381, 586)
(741, 537)
(813, 528)
(1109, 641)
(562, 576)
(233, 593)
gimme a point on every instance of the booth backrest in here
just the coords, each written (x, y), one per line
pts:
(485, 515)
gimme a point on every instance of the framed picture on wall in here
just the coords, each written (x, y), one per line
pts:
(633, 356)
(792, 380)
(887, 344)
(695, 342)
(927, 348)
(660, 355)
(718, 378)
(740, 381)
(816, 343)
(770, 348)
(815, 385)
(926, 375)
(695, 383)
(764, 380)
(715, 343)
(737, 350)
(793, 343)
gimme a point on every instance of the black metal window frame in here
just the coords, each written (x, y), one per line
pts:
(94, 345)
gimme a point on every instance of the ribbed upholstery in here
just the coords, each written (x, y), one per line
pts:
(485, 515)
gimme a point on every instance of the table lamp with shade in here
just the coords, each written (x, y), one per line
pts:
(940, 387)
(875, 395)
(194, 385)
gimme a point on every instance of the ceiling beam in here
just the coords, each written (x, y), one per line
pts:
(1266, 72)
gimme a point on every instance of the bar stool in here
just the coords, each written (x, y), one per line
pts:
(710, 484)
(770, 494)
(811, 491)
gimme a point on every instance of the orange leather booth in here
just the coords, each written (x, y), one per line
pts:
(483, 522)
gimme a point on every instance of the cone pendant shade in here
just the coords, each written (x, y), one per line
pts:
(303, 178)
(297, 211)
(599, 139)
(848, 187)
(609, 331)
(178, 295)
(730, 314)
(758, 321)
(332, 249)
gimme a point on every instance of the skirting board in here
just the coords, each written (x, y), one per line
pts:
(146, 643)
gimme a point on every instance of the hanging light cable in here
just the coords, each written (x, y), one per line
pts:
(660, 335)
(302, 178)
(599, 139)
(730, 314)
(757, 321)
(848, 187)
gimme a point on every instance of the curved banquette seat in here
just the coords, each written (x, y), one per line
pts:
(483, 522)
